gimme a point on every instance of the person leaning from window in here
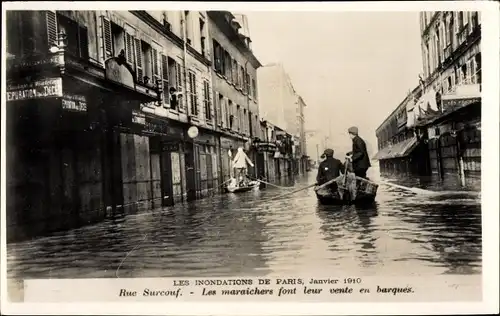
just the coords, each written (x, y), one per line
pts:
(359, 155)
(329, 169)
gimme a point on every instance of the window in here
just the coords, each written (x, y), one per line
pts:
(206, 100)
(165, 80)
(244, 121)
(477, 62)
(117, 39)
(30, 32)
(238, 119)
(254, 88)
(76, 36)
(219, 99)
(202, 36)
(251, 126)
(193, 97)
(248, 85)
(234, 73)
(189, 30)
(147, 60)
(217, 57)
(175, 80)
(230, 114)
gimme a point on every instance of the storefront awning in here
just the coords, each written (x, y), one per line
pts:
(401, 149)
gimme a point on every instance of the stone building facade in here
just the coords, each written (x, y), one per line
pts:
(444, 110)
(234, 78)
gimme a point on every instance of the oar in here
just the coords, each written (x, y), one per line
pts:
(291, 192)
(413, 190)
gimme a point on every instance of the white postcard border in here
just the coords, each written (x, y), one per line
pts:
(490, 217)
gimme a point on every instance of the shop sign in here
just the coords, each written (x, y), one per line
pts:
(459, 103)
(33, 62)
(45, 88)
(138, 118)
(73, 102)
(153, 127)
(170, 146)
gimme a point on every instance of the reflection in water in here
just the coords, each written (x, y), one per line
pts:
(250, 234)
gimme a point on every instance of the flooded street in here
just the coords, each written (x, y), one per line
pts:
(230, 235)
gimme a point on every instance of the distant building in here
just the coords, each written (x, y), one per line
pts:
(444, 110)
(280, 105)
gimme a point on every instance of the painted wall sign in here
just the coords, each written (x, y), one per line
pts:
(51, 87)
(138, 118)
(32, 62)
(119, 73)
(73, 102)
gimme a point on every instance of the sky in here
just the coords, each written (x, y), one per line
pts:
(351, 68)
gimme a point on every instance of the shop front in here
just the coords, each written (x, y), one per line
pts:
(61, 142)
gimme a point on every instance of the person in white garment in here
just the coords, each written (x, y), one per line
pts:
(240, 165)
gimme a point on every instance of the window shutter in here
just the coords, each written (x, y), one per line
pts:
(51, 22)
(179, 80)
(138, 55)
(166, 93)
(129, 47)
(155, 65)
(84, 42)
(107, 39)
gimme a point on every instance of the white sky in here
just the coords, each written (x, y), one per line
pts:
(354, 66)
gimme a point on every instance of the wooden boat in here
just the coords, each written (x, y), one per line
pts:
(232, 187)
(364, 191)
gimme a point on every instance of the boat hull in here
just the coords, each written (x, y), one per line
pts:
(238, 189)
(365, 192)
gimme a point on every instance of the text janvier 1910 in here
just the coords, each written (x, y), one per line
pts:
(276, 287)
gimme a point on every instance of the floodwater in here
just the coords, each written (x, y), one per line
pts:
(404, 233)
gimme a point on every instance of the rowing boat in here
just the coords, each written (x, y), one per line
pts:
(233, 187)
(350, 190)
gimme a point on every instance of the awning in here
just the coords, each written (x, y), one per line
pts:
(401, 149)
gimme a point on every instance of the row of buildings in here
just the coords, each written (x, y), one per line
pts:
(110, 112)
(436, 129)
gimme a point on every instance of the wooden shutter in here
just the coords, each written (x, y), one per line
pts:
(51, 22)
(129, 49)
(155, 66)
(179, 77)
(83, 41)
(138, 62)
(166, 93)
(107, 38)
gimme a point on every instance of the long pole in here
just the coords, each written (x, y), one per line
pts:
(317, 153)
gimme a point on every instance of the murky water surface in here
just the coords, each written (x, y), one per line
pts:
(228, 235)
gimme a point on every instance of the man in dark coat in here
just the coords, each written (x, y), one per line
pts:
(358, 155)
(329, 169)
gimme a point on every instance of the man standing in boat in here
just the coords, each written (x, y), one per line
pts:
(329, 169)
(240, 164)
(359, 155)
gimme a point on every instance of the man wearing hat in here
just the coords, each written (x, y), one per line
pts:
(329, 169)
(358, 156)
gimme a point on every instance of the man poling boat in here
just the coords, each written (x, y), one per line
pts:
(351, 186)
(240, 182)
